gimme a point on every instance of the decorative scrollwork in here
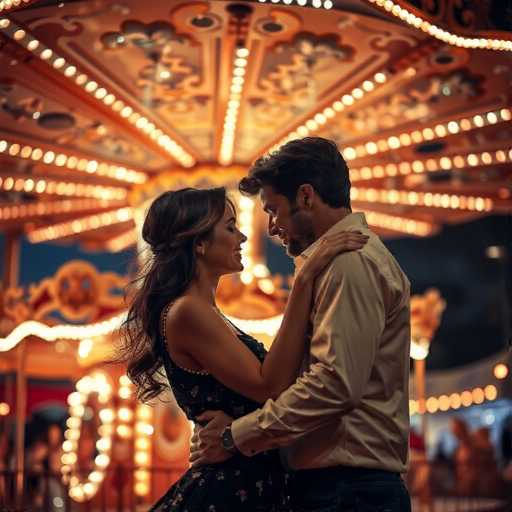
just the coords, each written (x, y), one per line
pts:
(171, 80)
(292, 85)
(77, 292)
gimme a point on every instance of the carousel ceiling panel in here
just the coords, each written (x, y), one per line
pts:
(164, 57)
(306, 59)
(34, 107)
(98, 96)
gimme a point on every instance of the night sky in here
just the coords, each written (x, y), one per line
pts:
(477, 289)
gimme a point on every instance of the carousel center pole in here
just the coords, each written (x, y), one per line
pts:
(10, 278)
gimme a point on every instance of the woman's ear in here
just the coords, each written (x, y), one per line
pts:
(201, 248)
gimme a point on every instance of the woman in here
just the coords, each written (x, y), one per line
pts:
(174, 323)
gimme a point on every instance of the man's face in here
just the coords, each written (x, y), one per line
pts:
(292, 224)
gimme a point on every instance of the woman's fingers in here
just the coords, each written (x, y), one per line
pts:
(347, 240)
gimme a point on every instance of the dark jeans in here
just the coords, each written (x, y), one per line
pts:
(346, 489)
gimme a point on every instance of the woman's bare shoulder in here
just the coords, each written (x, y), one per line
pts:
(187, 315)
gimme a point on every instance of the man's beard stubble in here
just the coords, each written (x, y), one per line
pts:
(302, 228)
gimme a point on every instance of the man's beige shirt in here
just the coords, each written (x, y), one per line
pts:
(350, 406)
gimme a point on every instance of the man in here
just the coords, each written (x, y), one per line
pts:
(343, 425)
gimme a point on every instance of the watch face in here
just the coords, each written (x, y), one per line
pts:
(227, 439)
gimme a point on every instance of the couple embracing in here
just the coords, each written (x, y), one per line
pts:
(320, 422)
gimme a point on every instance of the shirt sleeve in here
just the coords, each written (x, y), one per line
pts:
(348, 321)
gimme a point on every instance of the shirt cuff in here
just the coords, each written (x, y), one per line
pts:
(246, 434)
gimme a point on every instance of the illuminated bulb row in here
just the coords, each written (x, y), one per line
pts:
(268, 326)
(411, 198)
(455, 401)
(82, 490)
(126, 388)
(57, 332)
(73, 162)
(121, 242)
(125, 415)
(100, 93)
(316, 121)
(235, 94)
(326, 4)
(5, 5)
(444, 163)
(60, 188)
(40, 209)
(437, 131)
(401, 224)
(438, 33)
(245, 221)
(5, 409)
(142, 454)
(500, 371)
(73, 227)
(85, 347)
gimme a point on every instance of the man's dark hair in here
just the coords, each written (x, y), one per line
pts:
(311, 160)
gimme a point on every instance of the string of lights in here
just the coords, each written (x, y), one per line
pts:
(76, 226)
(346, 101)
(26, 210)
(83, 489)
(122, 241)
(72, 162)
(455, 401)
(233, 107)
(442, 35)
(429, 199)
(6, 5)
(433, 132)
(400, 224)
(60, 188)
(442, 163)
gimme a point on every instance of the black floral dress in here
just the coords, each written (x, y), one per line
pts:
(238, 484)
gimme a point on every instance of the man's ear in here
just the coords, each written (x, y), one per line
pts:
(305, 196)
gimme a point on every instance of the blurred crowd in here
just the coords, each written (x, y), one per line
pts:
(476, 468)
(43, 451)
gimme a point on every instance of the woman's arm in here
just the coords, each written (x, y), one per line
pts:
(195, 328)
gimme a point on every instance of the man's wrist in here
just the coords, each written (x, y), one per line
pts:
(227, 441)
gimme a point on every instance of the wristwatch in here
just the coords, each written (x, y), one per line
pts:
(227, 440)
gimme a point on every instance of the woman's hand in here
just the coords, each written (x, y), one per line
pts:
(328, 248)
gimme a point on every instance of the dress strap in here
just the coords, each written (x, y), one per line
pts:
(163, 320)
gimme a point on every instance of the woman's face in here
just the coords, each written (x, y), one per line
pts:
(223, 250)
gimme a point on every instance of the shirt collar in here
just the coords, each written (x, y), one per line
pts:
(352, 220)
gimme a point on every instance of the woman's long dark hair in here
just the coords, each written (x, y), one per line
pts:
(176, 221)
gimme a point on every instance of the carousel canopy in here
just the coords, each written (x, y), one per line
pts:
(100, 98)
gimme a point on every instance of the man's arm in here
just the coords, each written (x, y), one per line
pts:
(348, 322)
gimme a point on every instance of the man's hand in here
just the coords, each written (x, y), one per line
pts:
(206, 445)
